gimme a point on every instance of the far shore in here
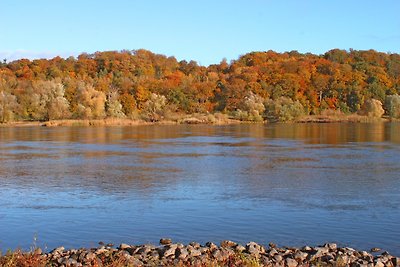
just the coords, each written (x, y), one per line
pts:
(353, 118)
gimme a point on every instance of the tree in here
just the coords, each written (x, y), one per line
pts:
(113, 106)
(252, 108)
(8, 106)
(91, 102)
(392, 106)
(283, 109)
(154, 108)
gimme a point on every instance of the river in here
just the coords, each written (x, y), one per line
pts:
(291, 184)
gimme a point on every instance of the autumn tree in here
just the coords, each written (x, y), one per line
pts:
(91, 102)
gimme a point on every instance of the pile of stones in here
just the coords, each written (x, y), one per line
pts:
(228, 253)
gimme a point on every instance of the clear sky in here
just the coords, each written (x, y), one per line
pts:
(201, 30)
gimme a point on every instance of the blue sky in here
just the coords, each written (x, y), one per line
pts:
(201, 30)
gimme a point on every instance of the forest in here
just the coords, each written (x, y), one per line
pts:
(258, 86)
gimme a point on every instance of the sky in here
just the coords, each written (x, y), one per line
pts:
(206, 31)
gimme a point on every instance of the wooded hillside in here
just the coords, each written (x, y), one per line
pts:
(256, 86)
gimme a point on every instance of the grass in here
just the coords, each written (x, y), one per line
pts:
(18, 258)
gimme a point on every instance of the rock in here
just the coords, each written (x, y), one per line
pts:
(90, 256)
(331, 246)
(321, 250)
(134, 262)
(301, 256)
(306, 249)
(273, 252)
(101, 250)
(379, 264)
(124, 246)
(71, 262)
(375, 249)
(204, 250)
(327, 257)
(195, 244)
(272, 245)
(165, 241)
(240, 248)
(278, 258)
(254, 248)
(195, 252)
(181, 253)
(217, 255)
(396, 261)
(228, 244)
(291, 262)
(143, 250)
(169, 250)
(212, 246)
(57, 250)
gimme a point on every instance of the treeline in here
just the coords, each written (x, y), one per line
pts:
(257, 86)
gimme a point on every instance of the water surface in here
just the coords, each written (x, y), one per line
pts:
(292, 184)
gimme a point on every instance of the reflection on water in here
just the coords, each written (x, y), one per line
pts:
(288, 183)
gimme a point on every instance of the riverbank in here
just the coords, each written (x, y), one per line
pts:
(228, 253)
(203, 119)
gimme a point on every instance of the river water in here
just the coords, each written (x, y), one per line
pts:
(291, 184)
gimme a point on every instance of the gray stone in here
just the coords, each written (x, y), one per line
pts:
(291, 262)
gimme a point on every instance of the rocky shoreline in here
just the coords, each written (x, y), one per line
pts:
(228, 253)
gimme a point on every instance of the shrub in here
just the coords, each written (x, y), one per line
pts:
(392, 106)
(372, 108)
(252, 108)
(154, 108)
(283, 109)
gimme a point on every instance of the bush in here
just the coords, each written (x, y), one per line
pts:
(283, 109)
(372, 108)
(252, 108)
(154, 108)
(392, 106)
